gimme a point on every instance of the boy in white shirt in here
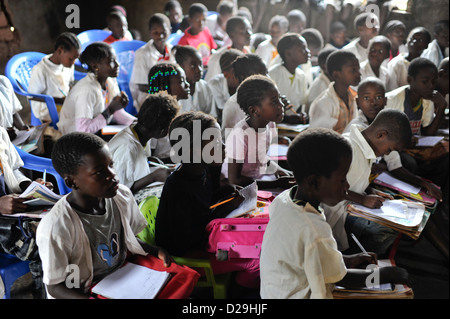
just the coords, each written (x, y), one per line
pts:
(360, 45)
(267, 50)
(438, 48)
(54, 74)
(299, 256)
(154, 51)
(379, 48)
(322, 82)
(290, 80)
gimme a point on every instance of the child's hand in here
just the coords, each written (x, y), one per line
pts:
(164, 256)
(118, 102)
(439, 101)
(160, 174)
(373, 201)
(49, 185)
(395, 275)
(10, 204)
(360, 260)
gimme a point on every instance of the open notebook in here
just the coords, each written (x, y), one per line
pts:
(132, 282)
(404, 216)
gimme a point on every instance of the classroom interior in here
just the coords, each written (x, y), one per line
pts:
(41, 21)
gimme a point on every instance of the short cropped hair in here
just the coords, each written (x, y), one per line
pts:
(197, 8)
(337, 26)
(233, 23)
(67, 40)
(69, 151)
(296, 16)
(383, 40)
(287, 41)
(421, 30)
(247, 65)
(440, 26)
(253, 90)
(371, 80)
(396, 123)
(337, 59)
(183, 52)
(313, 37)
(158, 19)
(225, 7)
(323, 55)
(95, 53)
(228, 57)
(360, 19)
(317, 151)
(419, 64)
(392, 25)
(157, 111)
(279, 20)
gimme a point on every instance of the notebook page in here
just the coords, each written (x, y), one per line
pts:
(388, 179)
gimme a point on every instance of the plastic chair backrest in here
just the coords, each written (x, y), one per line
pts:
(174, 38)
(41, 164)
(149, 208)
(125, 51)
(89, 36)
(18, 71)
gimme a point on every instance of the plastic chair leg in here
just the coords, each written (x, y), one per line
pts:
(11, 269)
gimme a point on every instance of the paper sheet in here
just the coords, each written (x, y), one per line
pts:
(250, 194)
(112, 129)
(388, 179)
(276, 150)
(429, 141)
(132, 282)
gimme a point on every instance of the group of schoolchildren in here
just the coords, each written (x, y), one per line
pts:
(363, 100)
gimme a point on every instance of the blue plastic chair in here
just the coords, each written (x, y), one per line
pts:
(89, 36)
(18, 71)
(125, 51)
(11, 269)
(174, 38)
(41, 164)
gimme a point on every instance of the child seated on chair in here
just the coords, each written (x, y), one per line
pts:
(299, 256)
(117, 22)
(200, 96)
(191, 190)
(336, 106)
(10, 118)
(389, 131)
(379, 48)
(130, 149)
(291, 81)
(96, 99)
(156, 50)
(418, 40)
(198, 35)
(54, 74)
(98, 220)
(248, 142)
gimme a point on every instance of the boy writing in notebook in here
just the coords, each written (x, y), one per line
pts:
(389, 131)
(299, 256)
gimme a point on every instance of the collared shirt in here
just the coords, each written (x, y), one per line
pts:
(293, 86)
(398, 72)
(329, 111)
(358, 179)
(366, 71)
(357, 49)
(299, 256)
(267, 51)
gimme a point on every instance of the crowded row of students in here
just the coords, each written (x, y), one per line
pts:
(237, 106)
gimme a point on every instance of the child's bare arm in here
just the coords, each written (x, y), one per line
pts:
(357, 278)
(439, 108)
(371, 201)
(61, 291)
(156, 251)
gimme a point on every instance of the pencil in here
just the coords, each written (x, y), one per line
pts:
(222, 202)
(158, 165)
(291, 107)
(45, 175)
(358, 243)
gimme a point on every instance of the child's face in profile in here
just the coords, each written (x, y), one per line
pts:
(417, 42)
(377, 54)
(178, 85)
(198, 23)
(242, 34)
(424, 82)
(300, 52)
(332, 190)
(96, 177)
(108, 66)
(159, 34)
(371, 100)
(271, 107)
(118, 27)
(193, 67)
(349, 74)
(68, 57)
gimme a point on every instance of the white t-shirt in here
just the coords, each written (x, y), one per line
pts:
(361, 53)
(50, 79)
(299, 256)
(249, 147)
(129, 156)
(398, 72)
(231, 115)
(63, 242)
(319, 85)
(144, 59)
(366, 71)
(219, 90)
(9, 103)
(202, 100)
(267, 51)
(293, 86)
